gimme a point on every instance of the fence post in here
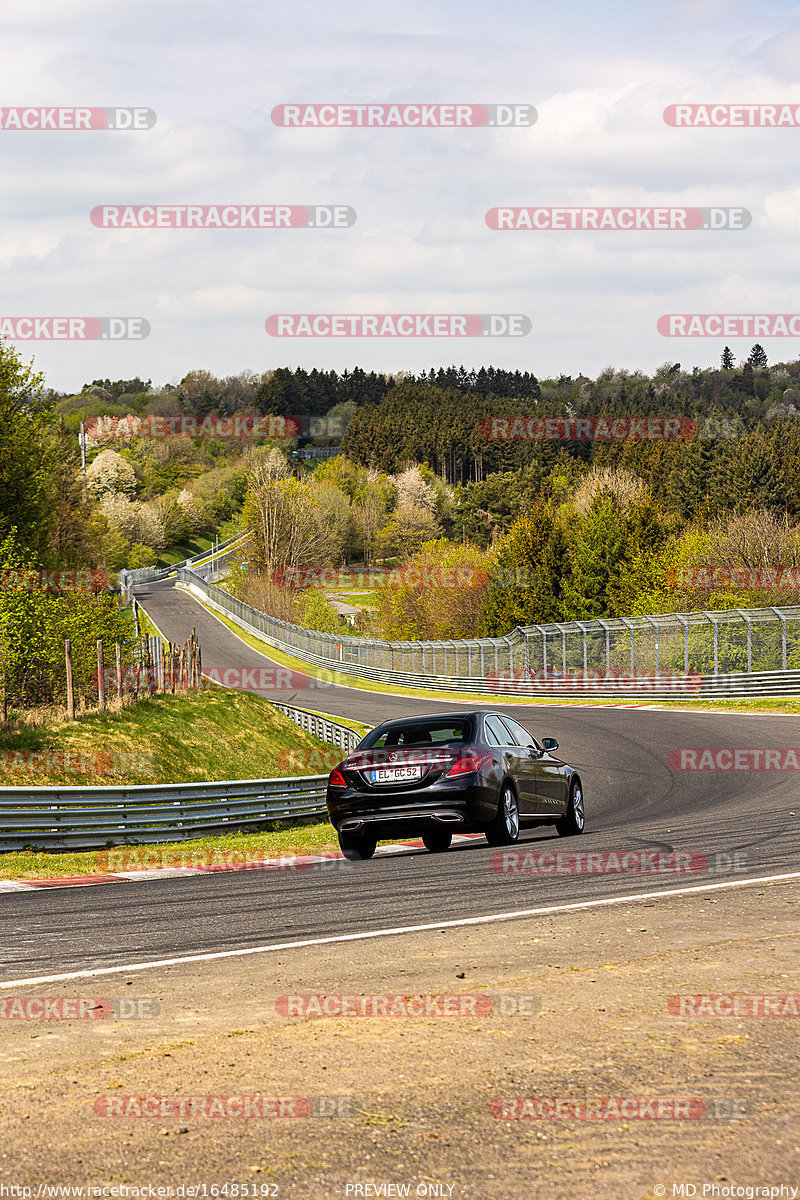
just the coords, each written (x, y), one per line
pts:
(70, 687)
(160, 664)
(118, 650)
(101, 681)
(148, 666)
(746, 618)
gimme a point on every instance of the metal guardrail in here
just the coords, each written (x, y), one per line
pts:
(129, 579)
(322, 727)
(67, 818)
(74, 818)
(671, 656)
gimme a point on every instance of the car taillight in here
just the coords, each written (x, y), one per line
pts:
(470, 763)
(336, 778)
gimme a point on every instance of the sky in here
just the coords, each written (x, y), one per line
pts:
(599, 78)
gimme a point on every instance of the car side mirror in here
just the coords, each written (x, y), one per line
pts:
(550, 744)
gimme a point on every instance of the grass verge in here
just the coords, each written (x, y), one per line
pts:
(224, 849)
(205, 735)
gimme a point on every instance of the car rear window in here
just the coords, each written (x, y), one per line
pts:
(420, 733)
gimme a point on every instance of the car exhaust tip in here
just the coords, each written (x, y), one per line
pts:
(448, 818)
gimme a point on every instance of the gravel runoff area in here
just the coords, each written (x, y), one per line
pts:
(410, 1104)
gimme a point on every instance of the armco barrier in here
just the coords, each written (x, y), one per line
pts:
(322, 727)
(671, 656)
(67, 818)
(61, 818)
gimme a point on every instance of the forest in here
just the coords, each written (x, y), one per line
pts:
(402, 475)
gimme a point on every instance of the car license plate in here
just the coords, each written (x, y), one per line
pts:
(394, 774)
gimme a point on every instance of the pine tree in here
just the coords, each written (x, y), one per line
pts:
(727, 360)
(757, 357)
(524, 578)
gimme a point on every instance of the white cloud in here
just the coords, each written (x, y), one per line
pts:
(599, 77)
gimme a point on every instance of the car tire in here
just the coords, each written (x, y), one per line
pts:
(574, 820)
(504, 829)
(356, 848)
(437, 840)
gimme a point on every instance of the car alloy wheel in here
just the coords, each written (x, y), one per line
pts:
(574, 820)
(504, 829)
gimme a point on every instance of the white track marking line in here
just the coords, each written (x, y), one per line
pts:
(158, 873)
(365, 935)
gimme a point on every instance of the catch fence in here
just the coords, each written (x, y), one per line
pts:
(736, 652)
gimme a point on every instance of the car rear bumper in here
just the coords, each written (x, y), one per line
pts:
(460, 809)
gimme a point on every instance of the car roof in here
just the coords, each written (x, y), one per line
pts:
(446, 716)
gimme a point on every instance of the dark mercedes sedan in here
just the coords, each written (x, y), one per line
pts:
(433, 776)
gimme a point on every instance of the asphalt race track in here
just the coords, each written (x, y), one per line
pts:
(743, 822)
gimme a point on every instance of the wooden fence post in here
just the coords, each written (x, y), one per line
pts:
(70, 688)
(101, 681)
(119, 672)
(148, 666)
